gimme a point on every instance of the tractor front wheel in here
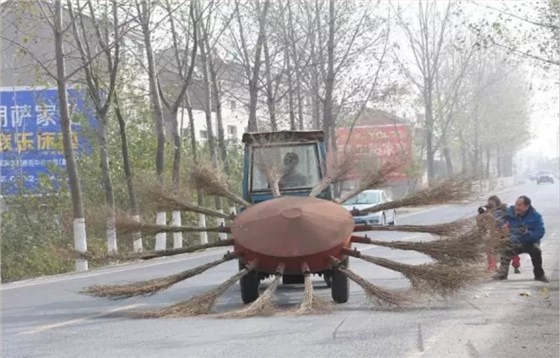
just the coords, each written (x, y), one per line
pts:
(340, 288)
(249, 285)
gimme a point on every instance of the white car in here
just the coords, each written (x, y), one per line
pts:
(366, 199)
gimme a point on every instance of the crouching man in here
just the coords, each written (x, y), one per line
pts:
(526, 229)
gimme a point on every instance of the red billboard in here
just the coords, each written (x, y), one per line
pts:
(387, 143)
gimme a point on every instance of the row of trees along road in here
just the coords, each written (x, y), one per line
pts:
(148, 66)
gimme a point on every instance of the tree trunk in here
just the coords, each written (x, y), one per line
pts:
(296, 66)
(290, 93)
(329, 81)
(429, 120)
(217, 96)
(488, 157)
(154, 97)
(107, 184)
(161, 238)
(79, 224)
(176, 178)
(137, 244)
(254, 80)
(201, 217)
(208, 114)
(448, 161)
(270, 98)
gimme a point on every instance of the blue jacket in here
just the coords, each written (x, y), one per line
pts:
(526, 229)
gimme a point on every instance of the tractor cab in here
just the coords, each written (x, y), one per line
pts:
(297, 159)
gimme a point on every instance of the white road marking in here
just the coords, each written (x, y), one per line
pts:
(78, 320)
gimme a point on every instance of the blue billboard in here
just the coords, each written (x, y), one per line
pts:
(31, 136)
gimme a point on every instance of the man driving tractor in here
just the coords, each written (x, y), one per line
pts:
(291, 177)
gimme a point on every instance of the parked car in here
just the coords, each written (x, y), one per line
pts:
(545, 177)
(366, 199)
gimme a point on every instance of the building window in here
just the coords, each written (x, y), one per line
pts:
(203, 134)
(232, 132)
(233, 105)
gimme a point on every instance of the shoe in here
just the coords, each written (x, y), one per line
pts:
(516, 270)
(542, 279)
(499, 276)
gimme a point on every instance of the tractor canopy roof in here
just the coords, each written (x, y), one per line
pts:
(283, 137)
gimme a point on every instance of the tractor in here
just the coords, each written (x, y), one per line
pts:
(309, 149)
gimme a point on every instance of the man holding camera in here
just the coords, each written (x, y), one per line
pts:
(526, 229)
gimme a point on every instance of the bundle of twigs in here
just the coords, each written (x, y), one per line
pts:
(447, 192)
(312, 304)
(150, 287)
(165, 200)
(147, 255)
(273, 175)
(127, 225)
(212, 182)
(375, 293)
(338, 171)
(198, 305)
(495, 237)
(466, 247)
(371, 179)
(451, 228)
(262, 306)
(434, 278)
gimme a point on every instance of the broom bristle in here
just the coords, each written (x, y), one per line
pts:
(375, 293)
(451, 228)
(262, 306)
(166, 200)
(466, 247)
(312, 304)
(148, 255)
(336, 173)
(431, 278)
(126, 225)
(198, 305)
(371, 179)
(447, 192)
(273, 173)
(150, 287)
(212, 182)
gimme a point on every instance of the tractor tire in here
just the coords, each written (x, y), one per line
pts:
(340, 288)
(328, 279)
(249, 285)
(292, 279)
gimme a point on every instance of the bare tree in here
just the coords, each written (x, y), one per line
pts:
(80, 237)
(183, 58)
(127, 167)
(426, 41)
(100, 88)
(252, 67)
(144, 12)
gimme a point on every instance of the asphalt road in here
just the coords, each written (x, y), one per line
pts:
(515, 318)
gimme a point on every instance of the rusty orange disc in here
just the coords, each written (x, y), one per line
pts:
(292, 227)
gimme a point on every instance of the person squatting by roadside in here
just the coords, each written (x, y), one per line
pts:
(498, 212)
(526, 230)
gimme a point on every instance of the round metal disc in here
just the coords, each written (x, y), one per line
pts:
(292, 226)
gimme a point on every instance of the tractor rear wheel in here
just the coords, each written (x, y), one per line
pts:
(340, 288)
(249, 285)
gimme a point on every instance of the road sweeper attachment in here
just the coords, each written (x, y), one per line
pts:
(292, 227)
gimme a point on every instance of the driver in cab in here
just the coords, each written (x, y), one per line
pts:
(291, 177)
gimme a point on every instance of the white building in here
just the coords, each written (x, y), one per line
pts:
(234, 121)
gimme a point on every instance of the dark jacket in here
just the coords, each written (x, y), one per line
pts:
(526, 229)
